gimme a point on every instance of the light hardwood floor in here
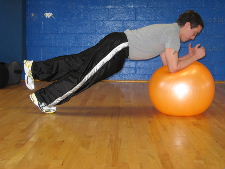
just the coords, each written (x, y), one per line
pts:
(109, 126)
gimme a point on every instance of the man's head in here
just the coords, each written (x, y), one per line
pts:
(191, 24)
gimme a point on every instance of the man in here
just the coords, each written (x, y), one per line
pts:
(73, 74)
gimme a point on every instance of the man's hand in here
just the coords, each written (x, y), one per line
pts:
(197, 52)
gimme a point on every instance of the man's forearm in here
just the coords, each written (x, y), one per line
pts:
(184, 57)
(185, 61)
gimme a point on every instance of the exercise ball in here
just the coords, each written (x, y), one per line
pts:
(187, 92)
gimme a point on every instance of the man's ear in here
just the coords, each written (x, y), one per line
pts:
(188, 25)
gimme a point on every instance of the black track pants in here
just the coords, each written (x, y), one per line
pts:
(73, 74)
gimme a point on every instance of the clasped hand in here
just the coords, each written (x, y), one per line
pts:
(197, 52)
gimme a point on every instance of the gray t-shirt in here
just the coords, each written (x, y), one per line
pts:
(151, 41)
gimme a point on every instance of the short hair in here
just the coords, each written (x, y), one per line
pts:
(190, 16)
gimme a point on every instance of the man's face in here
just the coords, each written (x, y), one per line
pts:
(187, 33)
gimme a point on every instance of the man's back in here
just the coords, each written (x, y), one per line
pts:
(150, 41)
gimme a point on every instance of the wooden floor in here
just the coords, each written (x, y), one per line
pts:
(110, 126)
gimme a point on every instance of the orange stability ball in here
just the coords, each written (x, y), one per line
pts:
(184, 93)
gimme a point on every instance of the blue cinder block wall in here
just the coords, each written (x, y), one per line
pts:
(59, 27)
(12, 30)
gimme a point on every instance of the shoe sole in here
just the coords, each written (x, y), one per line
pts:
(26, 70)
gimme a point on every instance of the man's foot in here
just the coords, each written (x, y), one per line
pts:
(42, 106)
(29, 80)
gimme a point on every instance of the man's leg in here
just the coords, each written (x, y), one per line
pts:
(52, 69)
(106, 58)
(56, 68)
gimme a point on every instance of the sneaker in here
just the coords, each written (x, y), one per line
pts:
(29, 80)
(42, 106)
